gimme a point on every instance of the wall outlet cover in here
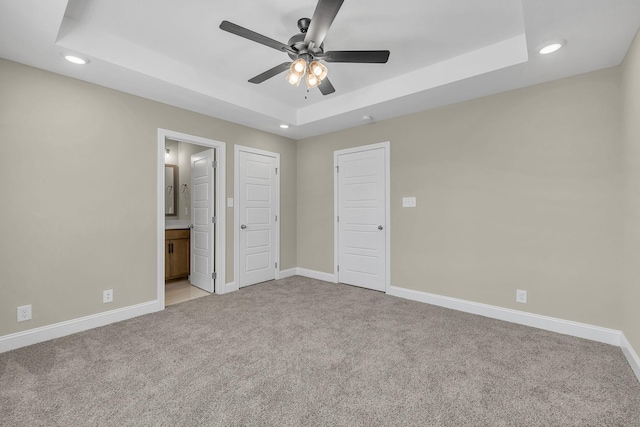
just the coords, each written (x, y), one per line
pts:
(24, 313)
(107, 296)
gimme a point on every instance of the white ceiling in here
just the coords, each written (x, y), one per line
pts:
(442, 51)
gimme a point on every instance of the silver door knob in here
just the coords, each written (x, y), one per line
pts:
(379, 227)
(243, 226)
(190, 225)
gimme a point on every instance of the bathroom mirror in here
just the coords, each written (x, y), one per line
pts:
(170, 188)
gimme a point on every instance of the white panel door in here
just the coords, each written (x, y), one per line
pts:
(202, 212)
(257, 210)
(361, 219)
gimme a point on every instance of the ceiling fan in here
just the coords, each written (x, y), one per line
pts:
(306, 49)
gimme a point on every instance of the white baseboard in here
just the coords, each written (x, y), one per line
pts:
(319, 275)
(631, 355)
(581, 330)
(57, 330)
(288, 273)
(567, 327)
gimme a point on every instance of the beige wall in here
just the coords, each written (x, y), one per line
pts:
(631, 137)
(520, 190)
(79, 193)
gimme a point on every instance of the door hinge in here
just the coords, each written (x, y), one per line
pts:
(276, 265)
(214, 275)
(214, 164)
(214, 219)
(276, 171)
(338, 268)
(338, 218)
(337, 169)
(276, 218)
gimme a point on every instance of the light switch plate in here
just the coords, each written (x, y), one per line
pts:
(521, 296)
(408, 202)
(230, 202)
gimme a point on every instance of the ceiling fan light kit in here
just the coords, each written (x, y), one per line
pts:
(318, 69)
(294, 79)
(312, 81)
(315, 72)
(298, 67)
(306, 49)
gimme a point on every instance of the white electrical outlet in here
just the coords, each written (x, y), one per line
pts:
(408, 202)
(24, 313)
(521, 296)
(107, 296)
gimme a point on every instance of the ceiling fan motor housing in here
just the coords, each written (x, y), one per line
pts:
(297, 42)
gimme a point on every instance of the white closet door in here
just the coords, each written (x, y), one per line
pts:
(257, 214)
(361, 219)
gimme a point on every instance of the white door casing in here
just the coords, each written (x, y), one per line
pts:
(202, 213)
(257, 212)
(220, 191)
(362, 216)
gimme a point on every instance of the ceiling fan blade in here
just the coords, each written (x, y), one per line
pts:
(252, 35)
(271, 73)
(323, 17)
(359, 56)
(326, 87)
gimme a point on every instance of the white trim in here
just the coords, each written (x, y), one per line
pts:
(160, 221)
(221, 206)
(288, 273)
(236, 210)
(567, 327)
(387, 227)
(319, 275)
(631, 355)
(57, 330)
(230, 287)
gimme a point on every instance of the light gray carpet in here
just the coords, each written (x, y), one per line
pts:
(301, 352)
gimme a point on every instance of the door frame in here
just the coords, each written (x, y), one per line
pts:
(387, 226)
(220, 234)
(236, 210)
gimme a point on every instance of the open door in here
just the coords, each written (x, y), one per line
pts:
(203, 220)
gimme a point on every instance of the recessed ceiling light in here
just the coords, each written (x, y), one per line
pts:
(75, 59)
(284, 126)
(550, 48)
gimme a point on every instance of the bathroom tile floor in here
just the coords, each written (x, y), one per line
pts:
(179, 290)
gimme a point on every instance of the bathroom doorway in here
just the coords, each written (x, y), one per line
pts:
(191, 217)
